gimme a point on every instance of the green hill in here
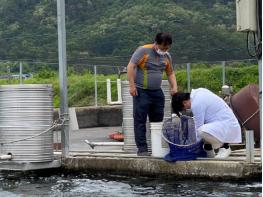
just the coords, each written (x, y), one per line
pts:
(108, 31)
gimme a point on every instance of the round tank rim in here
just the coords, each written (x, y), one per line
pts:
(18, 86)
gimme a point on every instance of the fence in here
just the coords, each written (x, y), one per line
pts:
(87, 84)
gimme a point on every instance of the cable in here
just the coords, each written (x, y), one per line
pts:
(243, 123)
(29, 61)
(54, 125)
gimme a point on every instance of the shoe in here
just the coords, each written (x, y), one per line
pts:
(223, 153)
(143, 154)
(209, 153)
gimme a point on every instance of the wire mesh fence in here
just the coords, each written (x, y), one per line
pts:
(87, 84)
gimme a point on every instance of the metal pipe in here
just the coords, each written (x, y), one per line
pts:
(188, 77)
(9, 74)
(6, 157)
(95, 86)
(223, 73)
(21, 72)
(63, 75)
(93, 144)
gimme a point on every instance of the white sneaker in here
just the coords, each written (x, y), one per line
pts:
(223, 153)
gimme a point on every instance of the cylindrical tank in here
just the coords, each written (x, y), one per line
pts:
(167, 104)
(26, 111)
(127, 112)
(245, 105)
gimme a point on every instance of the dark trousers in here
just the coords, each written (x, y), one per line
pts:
(146, 103)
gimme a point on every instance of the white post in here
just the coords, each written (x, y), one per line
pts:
(95, 86)
(119, 90)
(250, 146)
(108, 91)
(73, 121)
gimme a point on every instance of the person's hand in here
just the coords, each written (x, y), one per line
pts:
(173, 90)
(133, 90)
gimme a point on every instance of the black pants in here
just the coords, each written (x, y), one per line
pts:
(146, 103)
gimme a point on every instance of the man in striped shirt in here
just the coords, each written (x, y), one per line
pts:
(145, 71)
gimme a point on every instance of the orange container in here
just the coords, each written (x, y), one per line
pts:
(245, 105)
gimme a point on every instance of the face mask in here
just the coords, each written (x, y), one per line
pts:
(160, 52)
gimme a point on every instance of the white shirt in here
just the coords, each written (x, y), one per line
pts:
(212, 115)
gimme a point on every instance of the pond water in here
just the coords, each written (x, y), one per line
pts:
(50, 183)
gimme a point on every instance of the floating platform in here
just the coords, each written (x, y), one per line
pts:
(114, 159)
(235, 167)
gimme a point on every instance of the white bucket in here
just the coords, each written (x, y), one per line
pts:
(159, 146)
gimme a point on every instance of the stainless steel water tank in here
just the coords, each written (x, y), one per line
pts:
(127, 112)
(26, 111)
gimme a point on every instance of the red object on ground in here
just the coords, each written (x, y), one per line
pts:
(117, 136)
(57, 146)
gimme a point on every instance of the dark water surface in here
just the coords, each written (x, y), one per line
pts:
(98, 184)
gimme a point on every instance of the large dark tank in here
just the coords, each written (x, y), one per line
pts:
(245, 105)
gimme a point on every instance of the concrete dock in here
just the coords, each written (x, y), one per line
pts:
(113, 159)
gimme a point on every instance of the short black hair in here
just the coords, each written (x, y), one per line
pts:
(163, 38)
(177, 101)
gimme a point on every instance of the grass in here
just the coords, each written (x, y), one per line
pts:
(81, 90)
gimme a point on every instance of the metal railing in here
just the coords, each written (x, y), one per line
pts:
(100, 73)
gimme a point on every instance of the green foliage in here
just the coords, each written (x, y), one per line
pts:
(44, 74)
(81, 91)
(211, 78)
(201, 29)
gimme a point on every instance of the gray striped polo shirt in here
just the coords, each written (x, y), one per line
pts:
(150, 67)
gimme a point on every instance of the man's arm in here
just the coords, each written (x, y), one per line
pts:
(173, 83)
(131, 78)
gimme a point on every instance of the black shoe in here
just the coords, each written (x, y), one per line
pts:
(143, 154)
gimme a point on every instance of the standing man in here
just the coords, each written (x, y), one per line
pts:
(145, 71)
(215, 122)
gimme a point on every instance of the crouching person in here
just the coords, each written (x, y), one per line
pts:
(215, 122)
